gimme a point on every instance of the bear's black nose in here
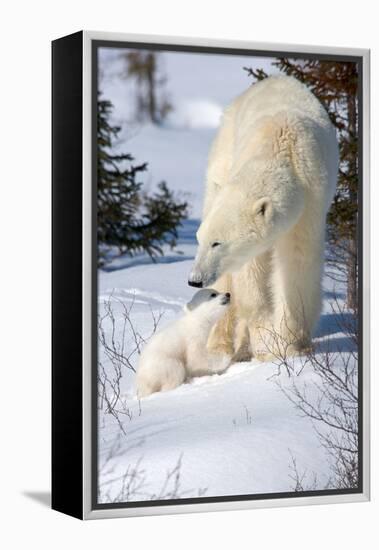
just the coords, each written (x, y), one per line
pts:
(197, 284)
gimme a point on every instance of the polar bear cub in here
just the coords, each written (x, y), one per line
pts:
(179, 351)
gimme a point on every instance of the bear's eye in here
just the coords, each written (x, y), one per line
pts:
(216, 243)
(213, 295)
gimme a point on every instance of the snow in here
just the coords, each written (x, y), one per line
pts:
(220, 435)
(198, 113)
(230, 434)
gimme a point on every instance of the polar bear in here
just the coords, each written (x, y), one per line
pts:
(271, 177)
(179, 351)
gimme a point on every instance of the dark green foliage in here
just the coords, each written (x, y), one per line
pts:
(128, 218)
(335, 84)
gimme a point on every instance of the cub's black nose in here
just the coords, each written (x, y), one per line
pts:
(197, 284)
(227, 294)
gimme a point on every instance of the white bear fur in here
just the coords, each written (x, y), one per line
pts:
(178, 352)
(271, 177)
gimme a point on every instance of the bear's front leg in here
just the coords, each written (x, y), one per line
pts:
(297, 285)
(278, 337)
(220, 340)
(251, 290)
(218, 363)
(242, 347)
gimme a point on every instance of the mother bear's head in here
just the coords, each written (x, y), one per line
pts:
(234, 231)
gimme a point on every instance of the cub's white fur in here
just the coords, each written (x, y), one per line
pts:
(179, 352)
(271, 177)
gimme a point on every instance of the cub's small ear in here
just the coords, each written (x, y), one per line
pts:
(187, 308)
(262, 207)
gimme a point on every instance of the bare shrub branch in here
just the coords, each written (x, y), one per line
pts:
(300, 479)
(330, 400)
(118, 352)
(132, 485)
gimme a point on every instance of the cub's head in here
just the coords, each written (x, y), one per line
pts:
(209, 303)
(234, 231)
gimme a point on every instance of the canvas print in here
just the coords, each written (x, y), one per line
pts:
(228, 285)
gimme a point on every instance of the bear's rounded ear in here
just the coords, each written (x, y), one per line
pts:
(263, 207)
(187, 308)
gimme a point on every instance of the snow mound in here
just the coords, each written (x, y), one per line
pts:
(228, 434)
(195, 113)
